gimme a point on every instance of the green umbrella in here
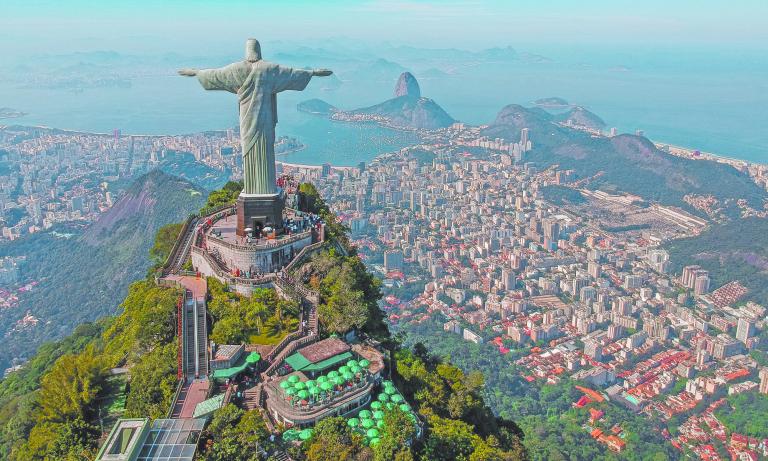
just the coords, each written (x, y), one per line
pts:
(310, 384)
(333, 374)
(343, 369)
(390, 405)
(305, 434)
(322, 379)
(293, 379)
(356, 369)
(383, 398)
(326, 386)
(375, 441)
(291, 391)
(365, 414)
(390, 390)
(376, 405)
(303, 394)
(365, 363)
(285, 384)
(348, 376)
(405, 407)
(352, 363)
(397, 398)
(380, 424)
(387, 383)
(372, 433)
(367, 423)
(378, 414)
(314, 390)
(353, 422)
(290, 435)
(338, 380)
(299, 386)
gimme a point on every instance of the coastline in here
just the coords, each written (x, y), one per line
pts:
(704, 155)
(672, 149)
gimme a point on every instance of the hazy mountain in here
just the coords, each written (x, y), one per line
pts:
(581, 117)
(377, 70)
(84, 276)
(433, 72)
(316, 106)
(513, 118)
(553, 102)
(407, 86)
(625, 163)
(408, 108)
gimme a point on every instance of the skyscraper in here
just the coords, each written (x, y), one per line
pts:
(744, 330)
(524, 141)
(393, 260)
(764, 380)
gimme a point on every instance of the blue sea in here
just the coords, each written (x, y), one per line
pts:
(714, 101)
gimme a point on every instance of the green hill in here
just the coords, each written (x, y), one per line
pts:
(52, 408)
(83, 276)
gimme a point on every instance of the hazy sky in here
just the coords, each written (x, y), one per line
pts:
(203, 27)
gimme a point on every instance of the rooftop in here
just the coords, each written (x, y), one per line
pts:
(324, 349)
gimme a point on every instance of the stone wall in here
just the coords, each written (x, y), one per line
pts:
(264, 260)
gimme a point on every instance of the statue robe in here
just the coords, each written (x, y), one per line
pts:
(256, 84)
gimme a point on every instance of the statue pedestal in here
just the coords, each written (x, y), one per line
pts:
(259, 211)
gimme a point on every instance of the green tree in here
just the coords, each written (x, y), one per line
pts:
(235, 435)
(396, 437)
(164, 241)
(153, 383)
(332, 440)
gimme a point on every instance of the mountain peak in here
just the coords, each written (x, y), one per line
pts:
(407, 86)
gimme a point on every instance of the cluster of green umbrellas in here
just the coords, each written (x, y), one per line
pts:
(297, 434)
(322, 387)
(370, 423)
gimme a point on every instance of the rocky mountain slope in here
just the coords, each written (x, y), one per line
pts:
(82, 276)
(408, 108)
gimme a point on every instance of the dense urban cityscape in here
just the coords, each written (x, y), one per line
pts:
(576, 290)
(383, 230)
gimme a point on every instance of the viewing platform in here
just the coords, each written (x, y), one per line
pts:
(250, 261)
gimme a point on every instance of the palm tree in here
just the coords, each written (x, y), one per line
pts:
(256, 314)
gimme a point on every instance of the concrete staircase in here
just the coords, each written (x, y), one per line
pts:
(252, 397)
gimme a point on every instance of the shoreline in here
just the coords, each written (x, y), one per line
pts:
(704, 155)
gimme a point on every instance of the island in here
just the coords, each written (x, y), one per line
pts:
(7, 112)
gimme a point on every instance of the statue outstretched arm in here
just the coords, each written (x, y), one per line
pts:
(227, 78)
(289, 78)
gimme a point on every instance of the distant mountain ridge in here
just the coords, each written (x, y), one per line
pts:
(626, 162)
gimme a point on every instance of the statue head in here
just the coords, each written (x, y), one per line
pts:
(252, 50)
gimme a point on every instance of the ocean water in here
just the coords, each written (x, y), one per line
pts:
(713, 101)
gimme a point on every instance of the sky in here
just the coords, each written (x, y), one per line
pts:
(208, 27)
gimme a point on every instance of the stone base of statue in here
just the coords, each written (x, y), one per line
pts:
(255, 212)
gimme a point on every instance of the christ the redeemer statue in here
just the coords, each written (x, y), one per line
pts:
(256, 83)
